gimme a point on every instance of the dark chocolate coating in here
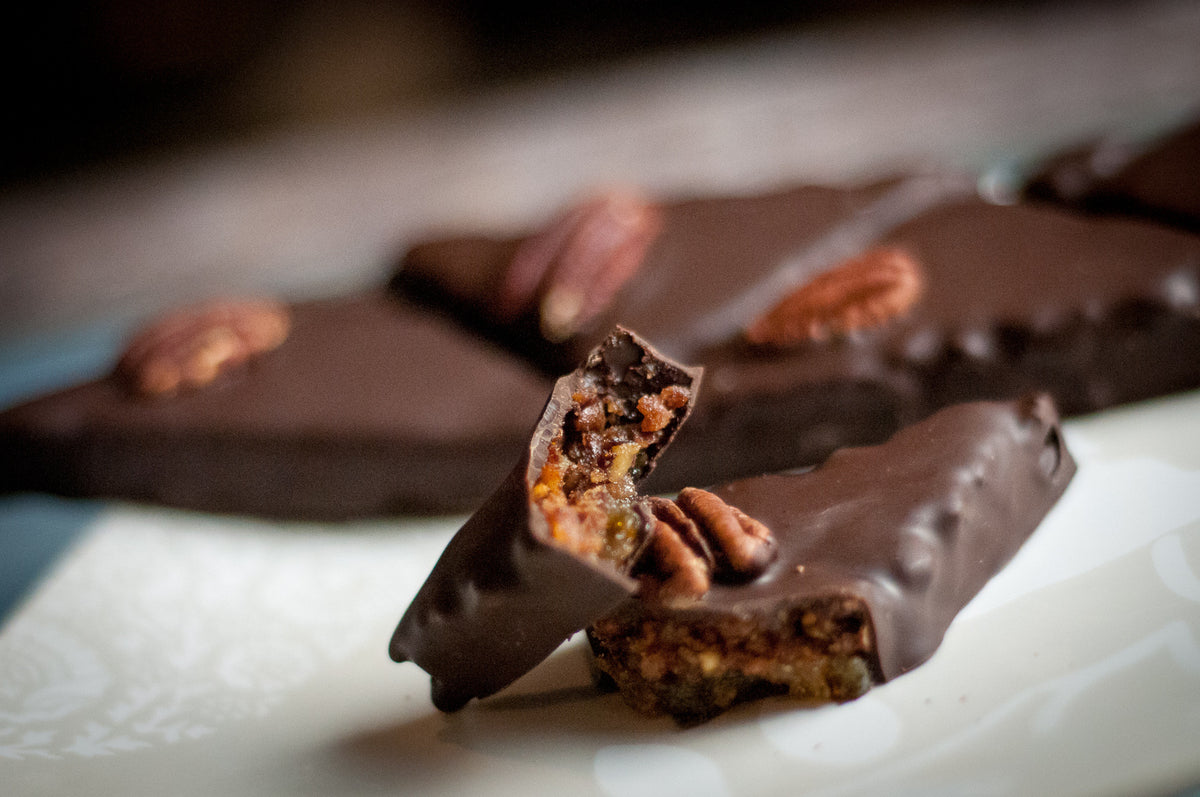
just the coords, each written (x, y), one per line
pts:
(1157, 179)
(1095, 311)
(502, 596)
(370, 407)
(913, 528)
(707, 252)
(375, 407)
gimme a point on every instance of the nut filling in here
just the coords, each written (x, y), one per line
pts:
(587, 492)
(694, 667)
(675, 549)
(586, 487)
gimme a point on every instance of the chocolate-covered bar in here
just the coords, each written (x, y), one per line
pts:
(1156, 179)
(815, 584)
(550, 549)
(879, 548)
(349, 407)
(827, 317)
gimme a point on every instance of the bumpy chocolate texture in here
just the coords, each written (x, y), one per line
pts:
(879, 548)
(995, 301)
(510, 587)
(1156, 179)
(370, 406)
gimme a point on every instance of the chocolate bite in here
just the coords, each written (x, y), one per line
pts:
(556, 543)
(878, 550)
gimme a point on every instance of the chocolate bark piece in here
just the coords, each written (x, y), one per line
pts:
(370, 406)
(879, 548)
(552, 548)
(1156, 179)
(1013, 298)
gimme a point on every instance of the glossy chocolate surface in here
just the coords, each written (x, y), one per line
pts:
(503, 595)
(375, 406)
(1095, 311)
(370, 407)
(912, 528)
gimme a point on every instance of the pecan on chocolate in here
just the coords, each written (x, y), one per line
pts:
(574, 266)
(190, 347)
(743, 546)
(698, 537)
(866, 291)
(678, 565)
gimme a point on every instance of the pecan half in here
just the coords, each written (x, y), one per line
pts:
(696, 538)
(867, 291)
(191, 347)
(743, 546)
(574, 266)
(680, 564)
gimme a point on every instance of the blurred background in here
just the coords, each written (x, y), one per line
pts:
(93, 80)
(156, 153)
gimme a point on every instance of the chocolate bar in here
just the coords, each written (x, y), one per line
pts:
(827, 317)
(549, 550)
(879, 548)
(356, 406)
(814, 584)
(824, 317)
(1156, 179)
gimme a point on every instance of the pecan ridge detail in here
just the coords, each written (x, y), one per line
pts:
(698, 538)
(866, 291)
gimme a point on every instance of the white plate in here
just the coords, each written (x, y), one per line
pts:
(183, 654)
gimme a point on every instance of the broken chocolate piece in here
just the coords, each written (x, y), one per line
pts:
(879, 549)
(1158, 179)
(554, 546)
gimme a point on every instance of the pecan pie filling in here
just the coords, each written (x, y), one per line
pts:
(587, 492)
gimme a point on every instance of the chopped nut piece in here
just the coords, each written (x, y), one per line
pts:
(623, 456)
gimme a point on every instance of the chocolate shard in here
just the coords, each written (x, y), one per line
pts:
(552, 548)
(879, 548)
(1156, 179)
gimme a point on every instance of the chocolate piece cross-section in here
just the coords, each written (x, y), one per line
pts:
(878, 549)
(553, 547)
